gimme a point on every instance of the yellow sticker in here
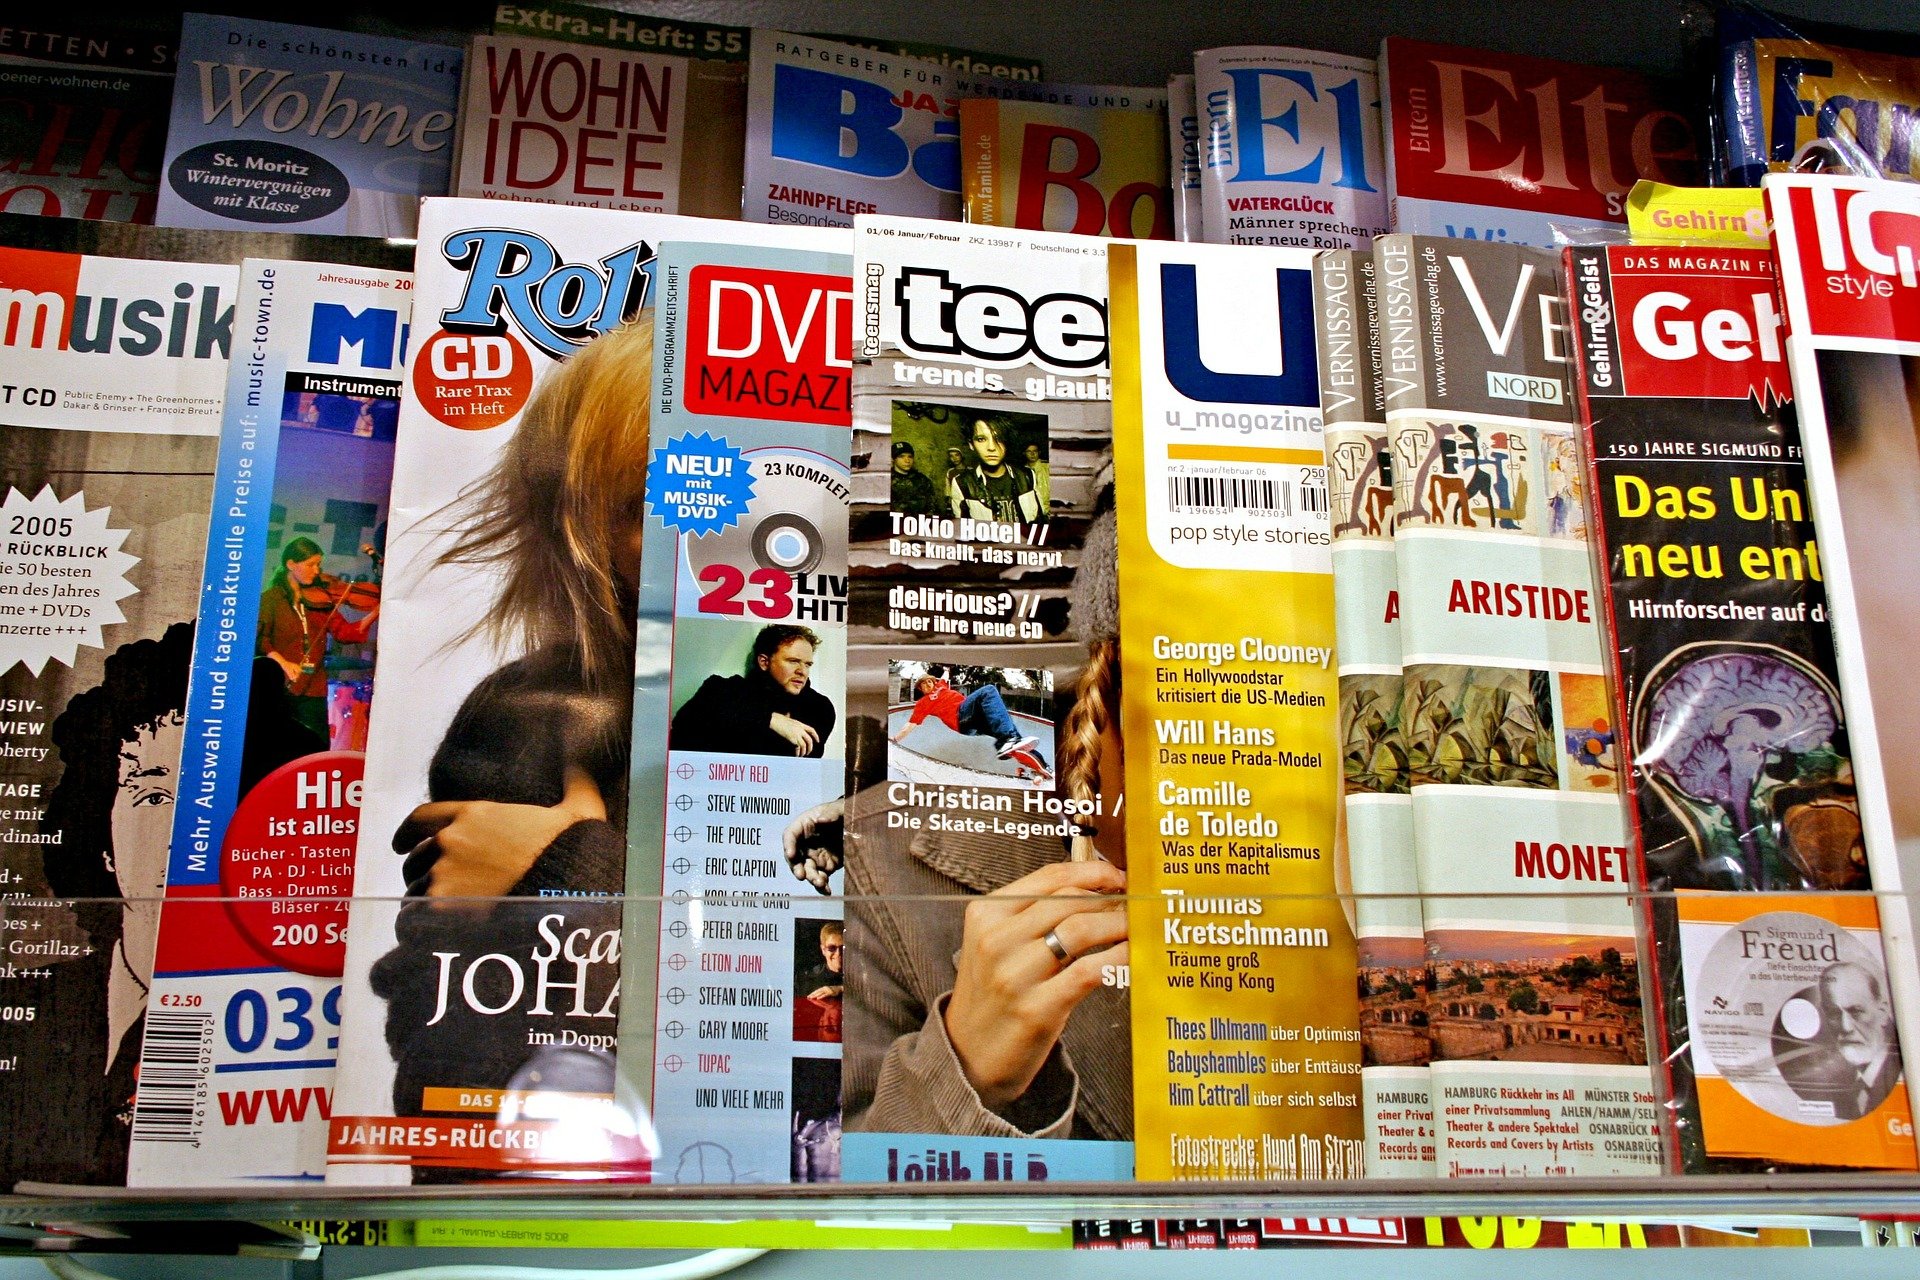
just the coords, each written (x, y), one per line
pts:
(1658, 213)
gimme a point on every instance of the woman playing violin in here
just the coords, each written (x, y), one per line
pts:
(299, 610)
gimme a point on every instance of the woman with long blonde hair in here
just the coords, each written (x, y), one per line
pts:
(557, 522)
(527, 789)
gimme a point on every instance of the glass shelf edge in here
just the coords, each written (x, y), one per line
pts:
(1748, 1199)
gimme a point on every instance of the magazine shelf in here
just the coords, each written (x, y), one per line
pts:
(1774, 1200)
(712, 1074)
(581, 1191)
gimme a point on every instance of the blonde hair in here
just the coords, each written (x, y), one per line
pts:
(1093, 615)
(1096, 705)
(552, 513)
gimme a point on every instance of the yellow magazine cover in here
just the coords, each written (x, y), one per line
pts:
(1246, 1039)
(1091, 160)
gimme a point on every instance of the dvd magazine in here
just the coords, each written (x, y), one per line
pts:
(982, 716)
(1394, 979)
(1291, 148)
(1539, 1041)
(1245, 1036)
(733, 1038)
(478, 1036)
(237, 1072)
(1730, 724)
(1845, 248)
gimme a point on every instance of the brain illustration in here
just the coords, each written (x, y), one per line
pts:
(1717, 720)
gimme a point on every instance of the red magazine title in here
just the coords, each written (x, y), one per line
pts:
(769, 344)
(1691, 323)
(1858, 250)
(1474, 127)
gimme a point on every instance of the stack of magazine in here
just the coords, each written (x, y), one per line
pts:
(859, 615)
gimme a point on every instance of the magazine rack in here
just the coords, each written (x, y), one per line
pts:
(1749, 1201)
(1783, 1195)
(1125, 45)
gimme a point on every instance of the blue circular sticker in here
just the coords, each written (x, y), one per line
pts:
(699, 485)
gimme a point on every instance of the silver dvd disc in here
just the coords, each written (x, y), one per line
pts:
(1793, 1011)
(796, 522)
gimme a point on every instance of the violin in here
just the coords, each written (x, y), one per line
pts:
(327, 591)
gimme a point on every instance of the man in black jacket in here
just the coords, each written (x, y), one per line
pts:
(912, 493)
(770, 710)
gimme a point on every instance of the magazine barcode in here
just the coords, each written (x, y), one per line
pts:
(1255, 494)
(172, 1059)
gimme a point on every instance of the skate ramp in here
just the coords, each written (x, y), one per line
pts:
(934, 755)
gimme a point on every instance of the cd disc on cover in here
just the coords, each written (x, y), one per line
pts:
(796, 522)
(1793, 1011)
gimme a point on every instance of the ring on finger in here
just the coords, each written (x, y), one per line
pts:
(1060, 952)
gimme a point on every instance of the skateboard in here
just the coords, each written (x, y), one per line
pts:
(1030, 766)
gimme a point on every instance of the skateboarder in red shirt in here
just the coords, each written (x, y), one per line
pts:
(982, 713)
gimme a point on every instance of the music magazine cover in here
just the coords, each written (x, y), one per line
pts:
(478, 1036)
(740, 734)
(1845, 248)
(109, 439)
(1729, 722)
(237, 1070)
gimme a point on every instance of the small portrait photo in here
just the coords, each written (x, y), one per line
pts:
(955, 724)
(819, 950)
(816, 1120)
(747, 688)
(972, 463)
(1834, 1042)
